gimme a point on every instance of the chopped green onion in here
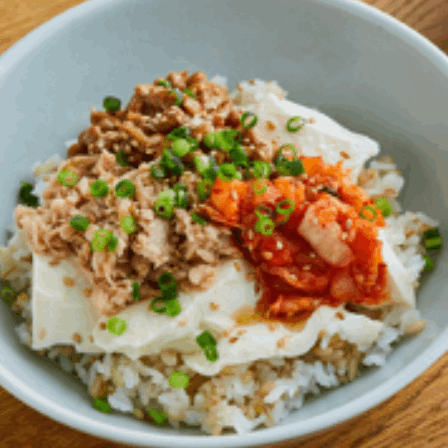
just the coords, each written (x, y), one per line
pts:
(173, 307)
(212, 140)
(179, 96)
(100, 240)
(261, 169)
(159, 418)
(228, 172)
(180, 187)
(206, 166)
(288, 146)
(285, 207)
(80, 223)
(296, 167)
(135, 291)
(198, 219)
(167, 282)
(164, 83)
(433, 243)
(26, 197)
(116, 326)
(124, 189)
(211, 353)
(433, 239)
(111, 104)
(429, 265)
(99, 188)
(294, 124)
(181, 132)
(384, 205)
(158, 305)
(205, 339)
(102, 406)
(250, 124)
(179, 380)
(263, 211)
(172, 163)
(113, 243)
(180, 147)
(158, 172)
(371, 210)
(121, 158)
(167, 196)
(189, 93)
(260, 186)
(194, 144)
(128, 224)
(7, 294)
(164, 209)
(265, 226)
(239, 156)
(181, 199)
(67, 178)
(205, 188)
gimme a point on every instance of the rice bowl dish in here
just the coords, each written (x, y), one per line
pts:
(210, 259)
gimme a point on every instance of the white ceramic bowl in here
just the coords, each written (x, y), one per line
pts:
(360, 66)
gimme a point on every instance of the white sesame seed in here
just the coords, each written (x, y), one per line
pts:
(348, 224)
(234, 195)
(250, 234)
(307, 267)
(279, 245)
(312, 255)
(315, 221)
(294, 277)
(268, 255)
(344, 236)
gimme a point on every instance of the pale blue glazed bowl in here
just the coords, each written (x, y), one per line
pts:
(358, 65)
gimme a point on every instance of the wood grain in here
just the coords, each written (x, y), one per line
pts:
(414, 418)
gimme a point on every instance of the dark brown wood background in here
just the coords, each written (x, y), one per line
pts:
(417, 417)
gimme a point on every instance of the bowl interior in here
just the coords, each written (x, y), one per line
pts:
(367, 72)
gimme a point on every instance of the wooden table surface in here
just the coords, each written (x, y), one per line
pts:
(414, 418)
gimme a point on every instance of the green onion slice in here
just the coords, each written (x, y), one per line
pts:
(100, 240)
(259, 186)
(181, 132)
(294, 124)
(206, 339)
(158, 305)
(67, 178)
(7, 294)
(205, 188)
(112, 104)
(164, 209)
(102, 406)
(189, 93)
(239, 156)
(211, 140)
(296, 167)
(211, 353)
(179, 96)
(124, 189)
(384, 206)
(228, 172)
(285, 207)
(284, 220)
(135, 291)
(433, 239)
(429, 265)
(179, 380)
(128, 224)
(26, 197)
(172, 163)
(167, 282)
(366, 208)
(80, 223)
(116, 326)
(173, 307)
(180, 147)
(159, 418)
(113, 243)
(121, 158)
(199, 219)
(291, 147)
(158, 172)
(99, 188)
(263, 211)
(260, 169)
(244, 122)
(164, 83)
(265, 226)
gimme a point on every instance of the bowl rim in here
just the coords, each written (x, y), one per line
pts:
(10, 59)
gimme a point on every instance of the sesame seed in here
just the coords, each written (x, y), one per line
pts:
(77, 338)
(311, 120)
(42, 333)
(345, 155)
(91, 338)
(315, 221)
(293, 277)
(214, 306)
(69, 282)
(312, 254)
(233, 339)
(237, 266)
(234, 195)
(348, 224)
(307, 267)
(344, 236)
(250, 234)
(279, 245)
(268, 255)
